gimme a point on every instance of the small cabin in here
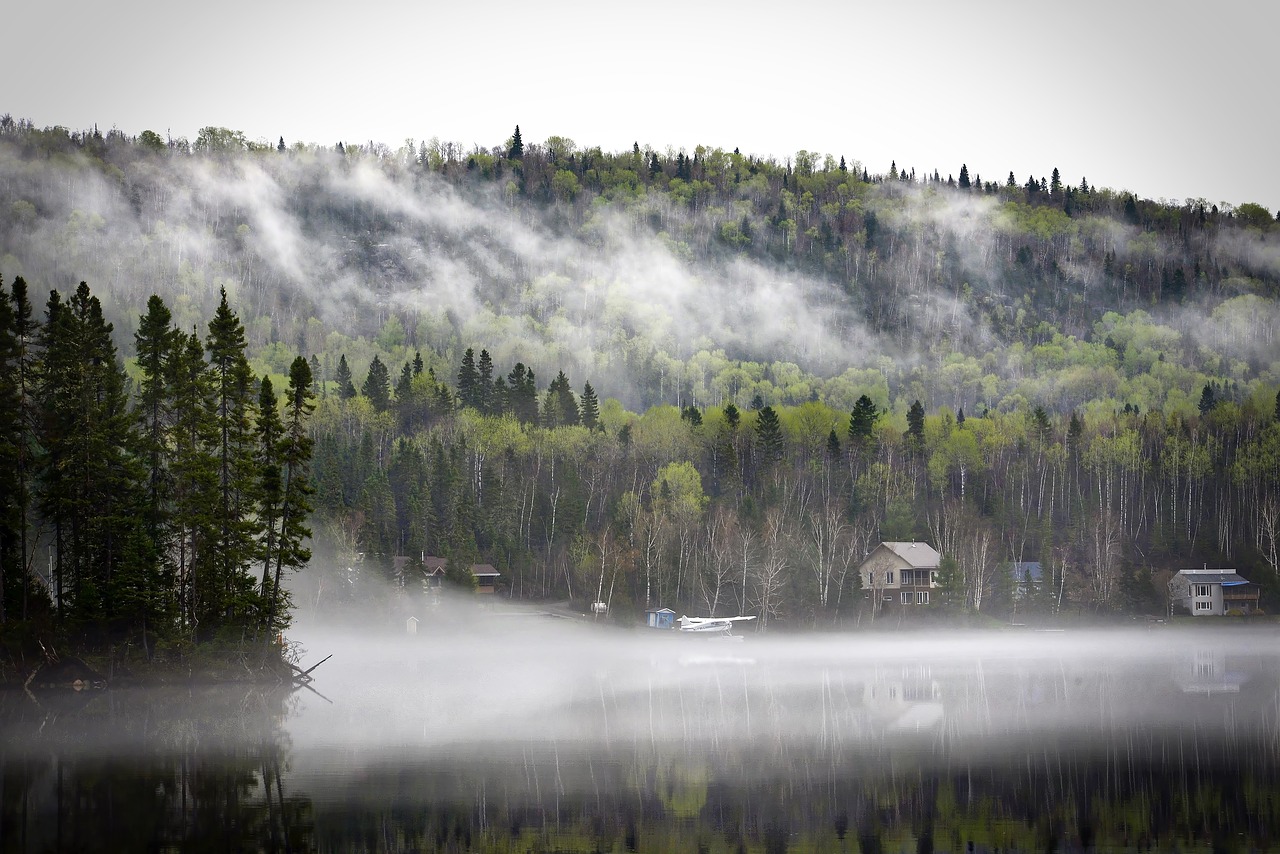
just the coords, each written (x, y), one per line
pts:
(411, 625)
(660, 618)
(486, 577)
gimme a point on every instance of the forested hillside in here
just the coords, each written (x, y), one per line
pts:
(703, 379)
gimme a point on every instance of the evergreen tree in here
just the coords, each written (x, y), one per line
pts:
(25, 380)
(1055, 183)
(269, 429)
(484, 384)
(227, 597)
(515, 151)
(155, 344)
(522, 392)
(296, 507)
(862, 420)
(404, 385)
(590, 408)
(964, 176)
(1208, 400)
(10, 434)
(195, 479)
(915, 426)
(732, 416)
(468, 378)
(769, 435)
(377, 385)
(833, 445)
(93, 484)
(346, 387)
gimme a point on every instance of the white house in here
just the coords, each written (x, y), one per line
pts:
(1212, 592)
(904, 573)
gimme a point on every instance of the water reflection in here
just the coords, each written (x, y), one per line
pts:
(555, 738)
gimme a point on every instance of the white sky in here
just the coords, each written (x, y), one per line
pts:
(1167, 99)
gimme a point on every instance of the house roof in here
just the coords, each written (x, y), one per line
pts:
(1225, 577)
(484, 570)
(659, 611)
(433, 563)
(1027, 571)
(918, 555)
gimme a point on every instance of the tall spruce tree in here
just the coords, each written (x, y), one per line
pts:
(10, 416)
(270, 430)
(769, 435)
(590, 408)
(295, 457)
(195, 481)
(228, 597)
(25, 335)
(377, 385)
(468, 378)
(346, 387)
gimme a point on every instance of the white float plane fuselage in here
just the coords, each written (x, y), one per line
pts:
(709, 625)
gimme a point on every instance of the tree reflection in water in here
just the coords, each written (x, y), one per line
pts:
(767, 749)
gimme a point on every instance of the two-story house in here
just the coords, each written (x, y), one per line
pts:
(1212, 592)
(902, 573)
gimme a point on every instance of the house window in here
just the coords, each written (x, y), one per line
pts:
(1202, 590)
(888, 577)
(922, 598)
(1204, 606)
(906, 597)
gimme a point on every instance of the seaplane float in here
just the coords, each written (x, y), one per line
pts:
(713, 626)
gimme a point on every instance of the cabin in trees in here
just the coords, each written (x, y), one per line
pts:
(1213, 592)
(904, 573)
(486, 577)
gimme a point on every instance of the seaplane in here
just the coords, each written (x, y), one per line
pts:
(722, 626)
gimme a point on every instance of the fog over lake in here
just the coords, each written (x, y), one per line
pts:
(496, 728)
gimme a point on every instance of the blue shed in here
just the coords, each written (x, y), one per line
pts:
(660, 618)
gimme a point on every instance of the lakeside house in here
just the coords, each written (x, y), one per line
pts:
(900, 572)
(1213, 592)
(1026, 578)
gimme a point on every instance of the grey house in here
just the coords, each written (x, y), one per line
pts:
(1212, 592)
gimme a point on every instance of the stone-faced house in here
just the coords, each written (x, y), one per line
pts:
(901, 573)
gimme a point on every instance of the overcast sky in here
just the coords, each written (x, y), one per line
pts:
(1167, 99)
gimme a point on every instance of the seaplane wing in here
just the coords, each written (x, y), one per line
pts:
(709, 624)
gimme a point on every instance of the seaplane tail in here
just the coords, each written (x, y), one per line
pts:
(708, 625)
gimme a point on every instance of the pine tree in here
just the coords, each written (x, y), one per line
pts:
(964, 176)
(25, 379)
(10, 435)
(195, 479)
(155, 344)
(346, 387)
(862, 420)
(590, 408)
(269, 430)
(295, 456)
(484, 384)
(93, 482)
(769, 435)
(468, 377)
(377, 385)
(227, 597)
(915, 426)
(522, 391)
(516, 149)
(1055, 183)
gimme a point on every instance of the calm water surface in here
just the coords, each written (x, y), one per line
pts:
(528, 735)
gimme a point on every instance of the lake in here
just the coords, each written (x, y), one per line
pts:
(531, 734)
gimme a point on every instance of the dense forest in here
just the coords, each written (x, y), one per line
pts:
(703, 380)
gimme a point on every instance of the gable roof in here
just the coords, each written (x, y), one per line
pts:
(433, 563)
(918, 555)
(1225, 577)
(484, 570)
